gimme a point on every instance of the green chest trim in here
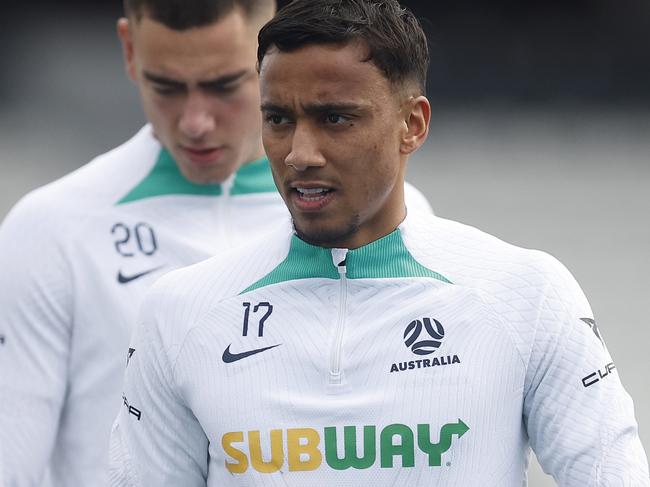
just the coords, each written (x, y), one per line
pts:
(385, 258)
(166, 179)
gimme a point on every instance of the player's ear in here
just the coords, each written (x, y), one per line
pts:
(126, 38)
(417, 115)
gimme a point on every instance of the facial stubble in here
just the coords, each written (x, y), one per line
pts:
(330, 238)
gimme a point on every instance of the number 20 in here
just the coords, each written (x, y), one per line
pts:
(145, 239)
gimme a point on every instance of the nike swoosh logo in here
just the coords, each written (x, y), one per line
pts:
(122, 279)
(229, 357)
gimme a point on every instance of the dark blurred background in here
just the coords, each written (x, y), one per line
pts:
(533, 51)
(540, 133)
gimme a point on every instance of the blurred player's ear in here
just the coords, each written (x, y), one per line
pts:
(417, 115)
(126, 38)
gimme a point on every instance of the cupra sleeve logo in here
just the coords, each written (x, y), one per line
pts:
(424, 336)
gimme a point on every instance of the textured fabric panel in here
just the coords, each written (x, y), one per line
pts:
(578, 432)
(33, 359)
(177, 454)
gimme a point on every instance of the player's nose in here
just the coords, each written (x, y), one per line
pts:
(305, 150)
(196, 120)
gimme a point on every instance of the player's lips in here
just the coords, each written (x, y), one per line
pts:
(202, 155)
(311, 196)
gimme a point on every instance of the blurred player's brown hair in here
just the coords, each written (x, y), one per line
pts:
(185, 14)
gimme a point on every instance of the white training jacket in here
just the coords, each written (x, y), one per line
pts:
(76, 257)
(434, 356)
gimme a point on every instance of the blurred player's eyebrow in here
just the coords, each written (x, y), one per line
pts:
(217, 82)
(161, 80)
(225, 79)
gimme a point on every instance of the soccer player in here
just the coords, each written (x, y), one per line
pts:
(77, 255)
(365, 345)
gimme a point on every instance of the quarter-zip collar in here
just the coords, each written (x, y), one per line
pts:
(384, 258)
(166, 179)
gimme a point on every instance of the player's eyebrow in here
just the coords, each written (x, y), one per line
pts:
(225, 80)
(161, 80)
(314, 108)
(321, 108)
(272, 107)
(218, 82)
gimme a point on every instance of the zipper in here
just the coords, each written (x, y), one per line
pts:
(335, 376)
(223, 215)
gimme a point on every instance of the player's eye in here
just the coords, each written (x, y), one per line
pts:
(336, 119)
(167, 90)
(224, 90)
(276, 119)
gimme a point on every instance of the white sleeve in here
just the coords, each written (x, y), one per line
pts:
(580, 419)
(35, 331)
(156, 439)
(415, 201)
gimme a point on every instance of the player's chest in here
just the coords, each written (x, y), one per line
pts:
(378, 356)
(294, 378)
(126, 249)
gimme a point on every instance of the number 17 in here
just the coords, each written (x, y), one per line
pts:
(256, 308)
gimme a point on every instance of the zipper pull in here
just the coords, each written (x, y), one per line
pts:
(339, 257)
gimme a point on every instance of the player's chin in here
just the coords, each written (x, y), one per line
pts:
(324, 232)
(215, 174)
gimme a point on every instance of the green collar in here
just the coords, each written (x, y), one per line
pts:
(385, 258)
(166, 179)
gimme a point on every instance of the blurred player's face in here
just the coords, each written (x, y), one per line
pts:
(199, 88)
(338, 134)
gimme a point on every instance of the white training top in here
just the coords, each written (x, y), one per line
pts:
(433, 356)
(76, 257)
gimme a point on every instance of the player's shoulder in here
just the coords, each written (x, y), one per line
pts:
(109, 175)
(527, 291)
(178, 300)
(94, 186)
(476, 258)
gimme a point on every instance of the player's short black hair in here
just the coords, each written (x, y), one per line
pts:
(396, 41)
(185, 14)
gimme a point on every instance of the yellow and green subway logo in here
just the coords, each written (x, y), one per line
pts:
(304, 449)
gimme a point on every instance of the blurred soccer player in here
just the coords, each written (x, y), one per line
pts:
(77, 255)
(365, 346)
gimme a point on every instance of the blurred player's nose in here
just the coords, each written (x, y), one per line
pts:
(196, 120)
(305, 151)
